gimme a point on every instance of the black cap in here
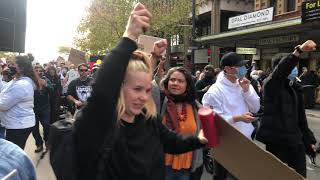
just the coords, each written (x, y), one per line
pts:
(232, 59)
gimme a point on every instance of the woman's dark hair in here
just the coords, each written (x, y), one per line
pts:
(48, 75)
(190, 90)
(25, 65)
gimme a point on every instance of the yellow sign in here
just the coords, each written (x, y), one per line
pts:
(99, 61)
(246, 50)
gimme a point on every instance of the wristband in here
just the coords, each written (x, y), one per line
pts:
(297, 48)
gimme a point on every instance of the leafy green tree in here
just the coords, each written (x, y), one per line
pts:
(169, 16)
(8, 56)
(64, 50)
(105, 22)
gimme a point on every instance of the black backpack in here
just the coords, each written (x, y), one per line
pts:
(62, 151)
(61, 144)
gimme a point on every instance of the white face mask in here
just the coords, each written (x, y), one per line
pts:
(255, 77)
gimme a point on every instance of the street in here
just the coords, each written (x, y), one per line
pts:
(242, 58)
(44, 171)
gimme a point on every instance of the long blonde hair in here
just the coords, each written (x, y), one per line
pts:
(139, 62)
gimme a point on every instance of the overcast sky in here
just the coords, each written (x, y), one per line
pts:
(50, 24)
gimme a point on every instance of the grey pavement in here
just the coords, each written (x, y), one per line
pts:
(43, 168)
(313, 112)
(44, 171)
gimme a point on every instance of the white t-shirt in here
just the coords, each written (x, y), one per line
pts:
(72, 75)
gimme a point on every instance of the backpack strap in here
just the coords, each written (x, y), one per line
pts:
(164, 106)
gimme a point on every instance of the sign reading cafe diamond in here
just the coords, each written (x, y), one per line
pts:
(256, 17)
(310, 10)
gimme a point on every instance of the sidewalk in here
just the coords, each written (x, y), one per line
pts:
(315, 112)
(43, 168)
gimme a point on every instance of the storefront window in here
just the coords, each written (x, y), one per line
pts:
(291, 5)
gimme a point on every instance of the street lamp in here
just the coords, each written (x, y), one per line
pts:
(193, 33)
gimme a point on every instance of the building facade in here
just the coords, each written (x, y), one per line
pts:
(261, 29)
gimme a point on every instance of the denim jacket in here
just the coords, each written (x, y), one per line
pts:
(13, 157)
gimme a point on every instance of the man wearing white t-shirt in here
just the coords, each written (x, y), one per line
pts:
(233, 98)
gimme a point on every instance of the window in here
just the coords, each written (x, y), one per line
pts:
(291, 5)
(176, 40)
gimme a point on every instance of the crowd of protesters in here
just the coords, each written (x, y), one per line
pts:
(151, 113)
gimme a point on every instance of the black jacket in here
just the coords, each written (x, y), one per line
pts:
(284, 120)
(138, 148)
(207, 81)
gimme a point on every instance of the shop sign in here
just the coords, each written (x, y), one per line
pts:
(278, 40)
(256, 17)
(270, 50)
(310, 10)
(246, 50)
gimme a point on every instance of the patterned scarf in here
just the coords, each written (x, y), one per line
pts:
(172, 116)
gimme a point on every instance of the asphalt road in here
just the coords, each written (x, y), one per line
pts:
(44, 171)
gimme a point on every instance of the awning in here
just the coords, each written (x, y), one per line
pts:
(268, 29)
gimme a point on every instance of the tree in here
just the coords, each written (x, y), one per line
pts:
(168, 16)
(105, 22)
(8, 56)
(64, 50)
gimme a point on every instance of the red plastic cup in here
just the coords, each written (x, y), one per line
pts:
(207, 118)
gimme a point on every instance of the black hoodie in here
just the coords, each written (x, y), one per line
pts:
(138, 149)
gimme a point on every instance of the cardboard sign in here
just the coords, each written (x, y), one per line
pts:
(246, 160)
(77, 57)
(145, 43)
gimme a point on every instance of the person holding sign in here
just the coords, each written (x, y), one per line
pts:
(117, 133)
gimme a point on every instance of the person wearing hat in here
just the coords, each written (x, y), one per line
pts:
(234, 99)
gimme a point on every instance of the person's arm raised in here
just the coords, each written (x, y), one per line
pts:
(97, 119)
(106, 88)
(287, 63)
